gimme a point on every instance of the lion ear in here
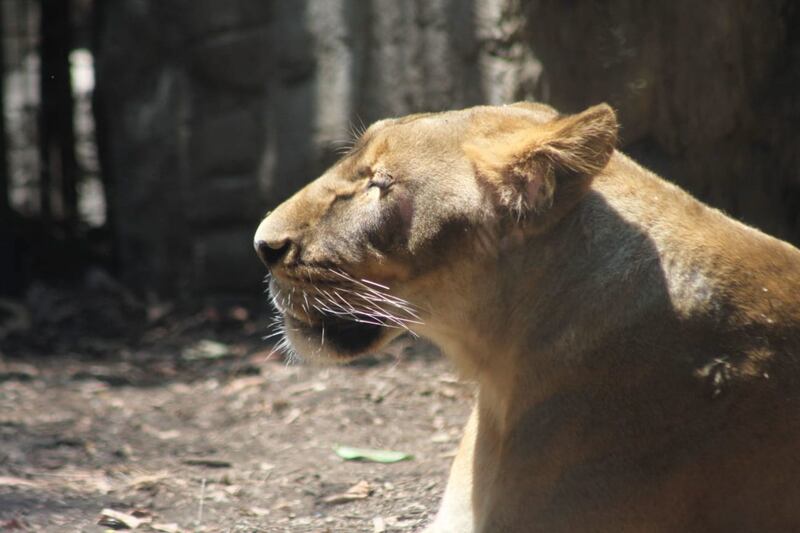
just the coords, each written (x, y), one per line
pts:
(532, 167)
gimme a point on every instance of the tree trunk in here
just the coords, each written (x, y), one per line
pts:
(59, 195)
(5, 182)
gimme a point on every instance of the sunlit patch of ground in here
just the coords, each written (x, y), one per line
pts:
(212, 436)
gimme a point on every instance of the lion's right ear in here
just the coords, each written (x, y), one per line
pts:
(533, 167)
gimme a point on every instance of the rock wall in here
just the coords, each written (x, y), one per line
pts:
(213, 112)
(708, 93)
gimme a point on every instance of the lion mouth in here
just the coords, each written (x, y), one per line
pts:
(339, 321)
(339, 337)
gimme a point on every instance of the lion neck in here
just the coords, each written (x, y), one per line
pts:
(545, 317)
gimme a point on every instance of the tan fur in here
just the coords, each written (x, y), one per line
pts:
(637, 353)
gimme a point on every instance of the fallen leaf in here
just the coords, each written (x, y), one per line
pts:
(378, 525)
(166, 528)
(448, 392)
(241, 384)
(233, 490)
(8, 481)
(284, 505)
(359, 491)
(162, 435)
(441, 438)
(449, 454)
(206, 349)
(292, 416)
(119, 520)
(401, 522)
(302, 388)
(350, 453)
(207, 461)
(146, 481)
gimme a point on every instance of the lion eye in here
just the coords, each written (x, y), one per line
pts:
(381, 181)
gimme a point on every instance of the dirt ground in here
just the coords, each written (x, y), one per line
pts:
(189, 422)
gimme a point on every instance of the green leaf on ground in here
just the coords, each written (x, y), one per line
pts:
(349, 453)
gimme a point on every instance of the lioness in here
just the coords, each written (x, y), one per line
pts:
(637, 353)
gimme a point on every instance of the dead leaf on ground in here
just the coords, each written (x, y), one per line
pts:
(378, 525)
(241, 384)
(206, 349)
(400, 522)
(448, 392)
(258, 511)
(168, 434)
(440, 438)
(449, 454)
(146, 481)
(119, 520)
(9, 481)
(292, 416)
(359, 491)
(302, 388)
(207, 461)
(166, 528)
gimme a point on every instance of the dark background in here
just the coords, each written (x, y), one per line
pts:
(204, 114)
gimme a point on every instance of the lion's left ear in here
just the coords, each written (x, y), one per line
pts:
(533, 167)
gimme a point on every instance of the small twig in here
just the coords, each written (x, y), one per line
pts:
(202, 502)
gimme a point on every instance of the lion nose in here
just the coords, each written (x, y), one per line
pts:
(271, 252)
(270, 243)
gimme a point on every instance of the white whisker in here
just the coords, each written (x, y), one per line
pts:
(368, 282)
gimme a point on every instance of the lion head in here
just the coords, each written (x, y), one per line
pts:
(404, 231)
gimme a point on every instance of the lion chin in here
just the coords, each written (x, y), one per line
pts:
(333, 340)
(317, 328)
(636, 353)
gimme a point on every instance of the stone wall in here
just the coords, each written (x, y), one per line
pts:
(213, 112)
(708, 93)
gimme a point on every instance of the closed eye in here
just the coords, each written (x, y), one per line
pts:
(382, 181)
